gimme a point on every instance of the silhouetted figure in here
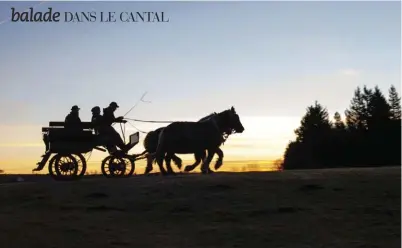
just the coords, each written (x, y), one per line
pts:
(108, 131)
(97, 119)
(151, 143)
(73, 121)
(196, 137)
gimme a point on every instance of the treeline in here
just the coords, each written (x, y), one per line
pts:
(370, 135)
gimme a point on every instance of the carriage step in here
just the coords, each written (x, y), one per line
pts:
(100, 149)
(39, 167)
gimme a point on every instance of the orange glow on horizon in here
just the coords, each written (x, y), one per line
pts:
(264, 141)
(94, 167)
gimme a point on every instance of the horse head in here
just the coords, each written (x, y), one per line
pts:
(229, 121)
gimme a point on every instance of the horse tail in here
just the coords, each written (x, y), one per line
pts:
(160, 153)
(151, 143)
(147, 140)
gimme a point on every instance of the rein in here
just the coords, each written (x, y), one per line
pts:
(225, 135)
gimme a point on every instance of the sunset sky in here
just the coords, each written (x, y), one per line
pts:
(269, 60)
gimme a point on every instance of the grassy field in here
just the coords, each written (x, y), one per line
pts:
(342, 208)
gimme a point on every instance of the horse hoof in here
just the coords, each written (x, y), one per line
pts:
(217, 166)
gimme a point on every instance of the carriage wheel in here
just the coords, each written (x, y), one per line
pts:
(117, 166)
(63, 167)
(82, 164)
(52, 170)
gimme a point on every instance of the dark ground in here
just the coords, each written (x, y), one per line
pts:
(342, 208)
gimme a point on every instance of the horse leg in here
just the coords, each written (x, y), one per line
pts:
(198, 158)
(177, 161)
(219, 161)
(159, 160)
(160, 153)
(149, 167)
(205, 165)
(168, 160)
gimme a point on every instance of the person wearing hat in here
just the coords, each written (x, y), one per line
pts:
(100, 129)
(73, 121)
(97, 119)
(108, 114)
(108, 119)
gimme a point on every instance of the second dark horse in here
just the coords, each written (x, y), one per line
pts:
(151, 143)
(195, 137)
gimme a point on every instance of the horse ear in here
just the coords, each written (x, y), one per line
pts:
(233, 110)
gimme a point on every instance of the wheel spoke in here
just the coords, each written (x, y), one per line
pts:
(65, 166)
(113, 166)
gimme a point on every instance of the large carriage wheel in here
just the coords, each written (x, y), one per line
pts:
(63, 167)
(117, 166)
(82, 164)
(52, 171)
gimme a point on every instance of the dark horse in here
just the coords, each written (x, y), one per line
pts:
(151, 143)
(195, 137)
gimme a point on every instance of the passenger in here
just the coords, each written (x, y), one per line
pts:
(97, 119)
(73, 121)
(97, 123)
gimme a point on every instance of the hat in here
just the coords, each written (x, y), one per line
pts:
(113, 104)
(75, 107)
(96, 109)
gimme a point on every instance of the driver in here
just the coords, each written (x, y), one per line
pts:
(107, 129)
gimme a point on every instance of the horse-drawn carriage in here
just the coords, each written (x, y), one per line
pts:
(67, 148)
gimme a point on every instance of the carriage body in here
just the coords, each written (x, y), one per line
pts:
(68, 147)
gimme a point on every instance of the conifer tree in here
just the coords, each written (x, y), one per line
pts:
(339, 124)
(395, 103)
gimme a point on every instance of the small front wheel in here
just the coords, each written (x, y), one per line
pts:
(117, 166)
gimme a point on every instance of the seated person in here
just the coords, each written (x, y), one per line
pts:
(97, 119)
(73, 123)
(108, 130)
(97, 123)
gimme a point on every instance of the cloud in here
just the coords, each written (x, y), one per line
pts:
(350, 72)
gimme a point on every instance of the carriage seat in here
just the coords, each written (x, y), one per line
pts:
(57, 132)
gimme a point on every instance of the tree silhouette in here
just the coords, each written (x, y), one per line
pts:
(338, 141)
(395, 103)
(310, 142)
(339, 124)
(370, 136)
(379, 111)
(278, 164)
(356, 115)
(313, 123)
(378, 123)
(395, 130)
(294, 157)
